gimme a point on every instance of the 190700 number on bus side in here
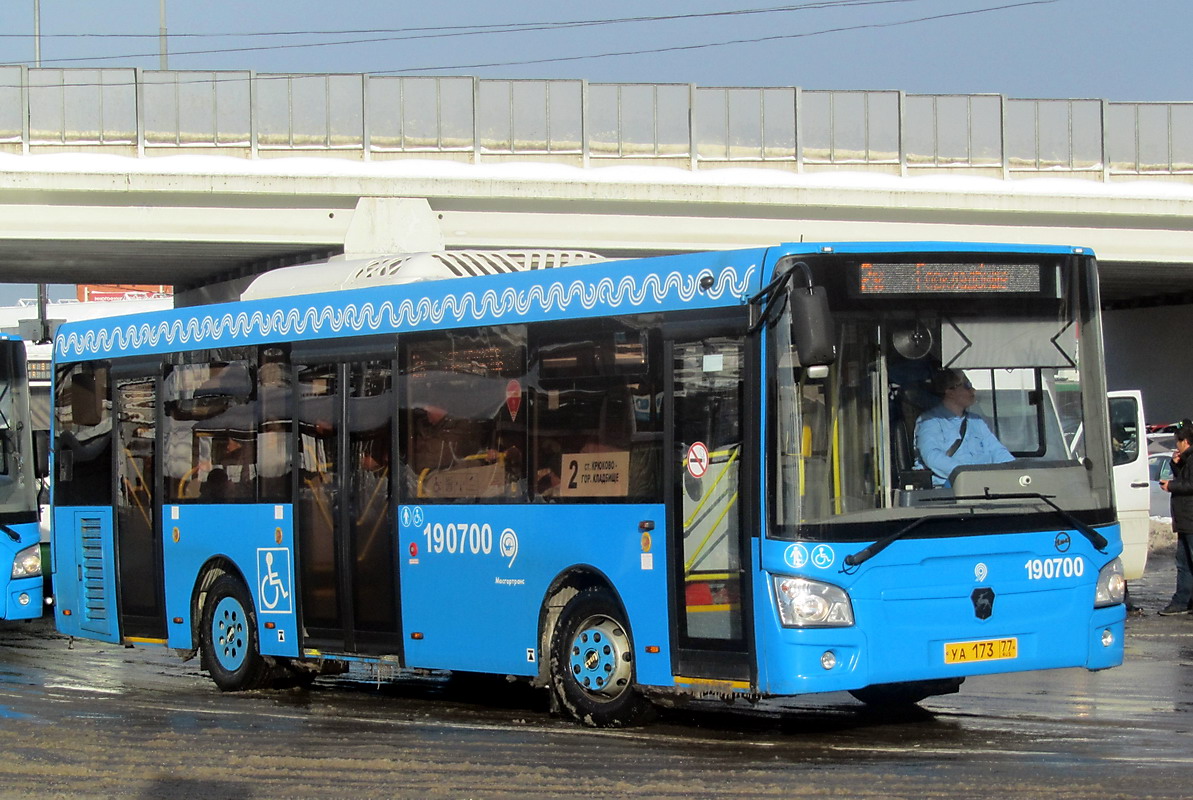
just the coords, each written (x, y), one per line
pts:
(463, 538)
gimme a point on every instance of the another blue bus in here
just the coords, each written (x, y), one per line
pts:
(21, 591)
(631, 482)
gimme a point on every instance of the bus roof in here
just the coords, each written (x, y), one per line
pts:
(809, 248)
(339, 273)
(667, 283)
(717, 279)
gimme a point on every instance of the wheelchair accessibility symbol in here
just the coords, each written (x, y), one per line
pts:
(273, 580)
(412, 516)
(822, 556)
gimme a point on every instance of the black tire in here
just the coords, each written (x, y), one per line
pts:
(228, 638)
(896, 695)
(592, 663)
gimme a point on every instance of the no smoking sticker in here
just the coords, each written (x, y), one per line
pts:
(697, 459)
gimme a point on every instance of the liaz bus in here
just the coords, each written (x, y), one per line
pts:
(21, 591)
(632, 482)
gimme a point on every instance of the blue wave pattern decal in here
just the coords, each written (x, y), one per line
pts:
(331, 316)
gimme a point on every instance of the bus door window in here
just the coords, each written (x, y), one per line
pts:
(318, 491)
(346, 549)
(709, 401)
(466, 416)
(138, 545)
(274, 387)
(370, 427)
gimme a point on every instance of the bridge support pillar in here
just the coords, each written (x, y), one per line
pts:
(387, 225)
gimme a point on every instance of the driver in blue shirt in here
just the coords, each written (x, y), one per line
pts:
(949, 435)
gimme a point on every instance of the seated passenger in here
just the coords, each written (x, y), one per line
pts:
(949, 435)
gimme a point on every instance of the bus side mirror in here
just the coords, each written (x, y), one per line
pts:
(41, 453)
(812, 327)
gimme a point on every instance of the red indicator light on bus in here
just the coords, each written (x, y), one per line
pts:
(416, 635)
(66, 612)
(414, 549)
(652, 648)
(177, 620)
(270, 625)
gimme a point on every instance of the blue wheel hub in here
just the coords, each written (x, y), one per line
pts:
(229, 633)
(599, 659)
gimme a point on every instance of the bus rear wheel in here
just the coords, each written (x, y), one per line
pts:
(592, 663)
(228, 638)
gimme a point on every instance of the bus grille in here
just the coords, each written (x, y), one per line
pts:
(95, 590)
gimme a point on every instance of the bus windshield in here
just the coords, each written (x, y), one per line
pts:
(971, 401)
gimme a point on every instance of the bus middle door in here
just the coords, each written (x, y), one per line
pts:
(346, 533)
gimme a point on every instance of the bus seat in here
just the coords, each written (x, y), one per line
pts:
(907, 403)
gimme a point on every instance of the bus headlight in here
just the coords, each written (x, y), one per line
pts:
(1112, 586)
(806, 603)
(27, 564)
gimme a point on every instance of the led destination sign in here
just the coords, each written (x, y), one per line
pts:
(875, 278)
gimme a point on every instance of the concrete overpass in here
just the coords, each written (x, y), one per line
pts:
(203, 180)
(198, 222)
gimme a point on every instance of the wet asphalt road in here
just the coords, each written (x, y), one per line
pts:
(89, 720)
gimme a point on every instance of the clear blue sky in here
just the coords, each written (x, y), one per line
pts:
(1113, 49)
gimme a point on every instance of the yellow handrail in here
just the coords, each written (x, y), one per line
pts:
(687, 567)
(733, 457)
(132, 491)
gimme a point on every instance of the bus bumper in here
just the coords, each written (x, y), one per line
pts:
(840, 659)
(24, 598)
(1107, 632)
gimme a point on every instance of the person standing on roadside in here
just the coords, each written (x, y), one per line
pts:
(1180, 486)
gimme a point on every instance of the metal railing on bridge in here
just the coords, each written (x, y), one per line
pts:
(374, 117)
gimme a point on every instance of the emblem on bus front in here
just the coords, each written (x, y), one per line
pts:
(983, 602)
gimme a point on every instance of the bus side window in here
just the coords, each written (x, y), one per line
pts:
(597, 399)
(465, 415)
(211, 428)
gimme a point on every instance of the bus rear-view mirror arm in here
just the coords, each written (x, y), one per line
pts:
(812, 328)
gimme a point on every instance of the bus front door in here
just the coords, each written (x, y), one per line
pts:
(346, 535)
(709, 467)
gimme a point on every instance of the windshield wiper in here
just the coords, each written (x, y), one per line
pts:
(1096, 539)
(11, 533)
(867, 553)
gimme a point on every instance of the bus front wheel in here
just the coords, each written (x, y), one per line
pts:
(228, 638)
(592, 663)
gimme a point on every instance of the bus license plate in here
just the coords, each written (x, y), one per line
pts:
(985, 650)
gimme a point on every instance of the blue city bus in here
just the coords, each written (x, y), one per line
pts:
(21, 591)
(631, 482)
